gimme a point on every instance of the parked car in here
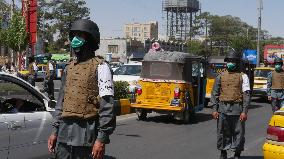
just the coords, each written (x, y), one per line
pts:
(260, 80)
(25, 119)
(128, 72)
(115, 65)
(273, 147)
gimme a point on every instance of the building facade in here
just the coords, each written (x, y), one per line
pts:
(120, 49)
(141, 31)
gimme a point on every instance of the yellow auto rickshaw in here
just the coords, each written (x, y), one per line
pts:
(171, 83)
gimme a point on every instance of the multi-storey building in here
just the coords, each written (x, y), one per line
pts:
(141, 31)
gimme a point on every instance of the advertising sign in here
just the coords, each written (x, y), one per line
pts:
(250, 55)
(273, 51)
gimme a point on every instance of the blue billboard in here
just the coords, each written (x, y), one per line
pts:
(250, 55)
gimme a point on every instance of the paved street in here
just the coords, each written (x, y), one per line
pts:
(161, 138)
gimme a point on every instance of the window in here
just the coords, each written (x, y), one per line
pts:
(145, 34)
(113, 48)
(134, 70)
(135, 34)
(145, 29)
(127, 34)
(127, 29)
(16, 99)
(136, 29)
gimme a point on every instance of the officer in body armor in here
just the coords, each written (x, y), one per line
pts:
(275, 85)
(48, 81)
(84, 115)
(32, 68)
(230, 99)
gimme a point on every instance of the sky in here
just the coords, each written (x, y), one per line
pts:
(111, 15)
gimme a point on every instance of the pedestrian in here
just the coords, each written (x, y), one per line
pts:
(32, 75)
(155, 47)
(13, 69)
(84, 115)
(5, 68)
(230, 99)
(275, 85)
(48, 80)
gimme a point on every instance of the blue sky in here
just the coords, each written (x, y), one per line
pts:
(111, 15)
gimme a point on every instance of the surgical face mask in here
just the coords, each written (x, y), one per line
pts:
(278, 67)
(231, 66)
(77, 42)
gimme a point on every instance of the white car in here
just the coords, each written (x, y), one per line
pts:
(25, 119)
(128, 72)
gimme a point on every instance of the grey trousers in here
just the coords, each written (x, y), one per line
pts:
(230, 133)
(276, 104)
(64, 151)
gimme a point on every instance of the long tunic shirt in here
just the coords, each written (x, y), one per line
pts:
(76, 132)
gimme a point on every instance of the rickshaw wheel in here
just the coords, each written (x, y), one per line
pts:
(186, 117)
(141, 114)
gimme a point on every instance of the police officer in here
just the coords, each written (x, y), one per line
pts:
(230, 100)
(32, 71)
(84, 116)
(48, 83)
(275, 85)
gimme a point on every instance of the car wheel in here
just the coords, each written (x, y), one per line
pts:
(141, 114)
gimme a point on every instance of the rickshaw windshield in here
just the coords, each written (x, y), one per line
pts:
(163, 70)
(214, 69)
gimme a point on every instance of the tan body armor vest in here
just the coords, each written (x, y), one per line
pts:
(231, 87)
(277, 80)
(81, 98)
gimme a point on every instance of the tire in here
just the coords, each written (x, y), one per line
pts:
(186, 116)
(141, 114)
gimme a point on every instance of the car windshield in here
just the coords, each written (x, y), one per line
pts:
(261, 73)
(134, 70)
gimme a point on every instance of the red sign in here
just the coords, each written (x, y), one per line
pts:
(29, 11)
(273, 51)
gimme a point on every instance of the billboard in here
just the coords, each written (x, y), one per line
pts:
(250, 55)
(273, 51)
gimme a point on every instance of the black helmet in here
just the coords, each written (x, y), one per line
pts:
(88, 27)
(232, 56)
(278, 60)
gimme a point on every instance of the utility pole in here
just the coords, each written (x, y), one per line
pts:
(260, 7)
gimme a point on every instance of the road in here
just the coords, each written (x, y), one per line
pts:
(161, 138)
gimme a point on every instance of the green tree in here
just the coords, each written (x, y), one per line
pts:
(64, 15)
(241, 43)
(197, 47)
(16, 36)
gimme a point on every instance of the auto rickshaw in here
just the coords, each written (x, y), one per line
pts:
(215, 65)
(171, 83)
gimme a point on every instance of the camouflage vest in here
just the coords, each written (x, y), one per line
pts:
(81, 98)
(277, 80)
(231, 87)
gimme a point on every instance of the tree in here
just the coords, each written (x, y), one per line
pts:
(197, 47)
(16, 35)
(64, 15)
(241, 43)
